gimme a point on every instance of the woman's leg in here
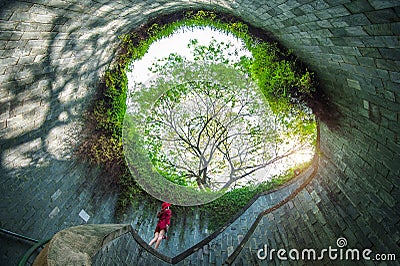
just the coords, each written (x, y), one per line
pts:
(160, 237)
(154, 239)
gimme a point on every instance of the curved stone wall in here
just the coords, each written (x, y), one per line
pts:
(53, 53)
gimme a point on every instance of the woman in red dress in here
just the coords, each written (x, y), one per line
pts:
(164, 217)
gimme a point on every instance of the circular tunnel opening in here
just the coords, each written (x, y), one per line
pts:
(204, 120)
(122, 149)
(283, 84)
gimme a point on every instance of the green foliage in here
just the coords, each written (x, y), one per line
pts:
(228, 205)
(110, 110)
(283, 81)
(108, 114)
(158, 160)
(285, 86)
(277, 76)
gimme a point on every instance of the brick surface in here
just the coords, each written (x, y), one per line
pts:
(48, 50)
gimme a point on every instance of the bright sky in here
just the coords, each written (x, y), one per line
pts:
(177, 43)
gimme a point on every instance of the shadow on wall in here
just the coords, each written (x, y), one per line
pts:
(52, 69)
(54, 57)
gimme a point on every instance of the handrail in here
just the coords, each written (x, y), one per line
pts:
(149, 249)
(246, 238)
(28, 254)
(18, 235)
(176, 259)
(208, 239)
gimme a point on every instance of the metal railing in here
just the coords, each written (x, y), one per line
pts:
(38, 244)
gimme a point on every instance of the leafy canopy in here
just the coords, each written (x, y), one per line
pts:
(205, 122)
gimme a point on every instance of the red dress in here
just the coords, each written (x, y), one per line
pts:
(164, 218)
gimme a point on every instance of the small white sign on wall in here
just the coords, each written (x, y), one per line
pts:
(84, 215)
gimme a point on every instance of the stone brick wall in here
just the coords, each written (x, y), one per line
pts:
(53, 53)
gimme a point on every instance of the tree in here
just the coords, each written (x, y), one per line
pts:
(205, 123)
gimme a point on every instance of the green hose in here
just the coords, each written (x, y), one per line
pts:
(29, 253)
(25, 258)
